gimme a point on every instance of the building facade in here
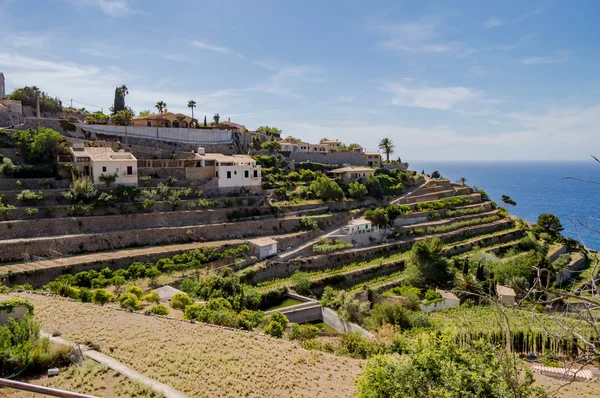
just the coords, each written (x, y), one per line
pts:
(95, 162)
(168, 119)
(373, 159)
(290, 144)
(235, 171)
(348, 174)
(263, 247)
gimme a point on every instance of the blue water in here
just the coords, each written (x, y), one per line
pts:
(537, 187)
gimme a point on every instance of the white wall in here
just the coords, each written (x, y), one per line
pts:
(238, 178)
(331, 318)
(267, 251)
(440, 305)
(183, 135)
(111, 168)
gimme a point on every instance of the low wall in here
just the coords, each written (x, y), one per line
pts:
(554, 255)
(18, 312)
(337, 158)
(180, 135)
(304, 314)
(93, 224)
(331, 318)
(576, 265)
(24, 249)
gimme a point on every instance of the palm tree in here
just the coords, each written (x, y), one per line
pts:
(123, 91)
(462, 181)
(387, 146)
(192, 105)
(216, 118)
(161, 106)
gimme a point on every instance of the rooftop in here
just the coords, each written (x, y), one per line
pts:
(351, 169)
(447, 295)
(157, 116)
(359, 221)
(219, 157)
(262, 242)
(101, 153)
(505, 291)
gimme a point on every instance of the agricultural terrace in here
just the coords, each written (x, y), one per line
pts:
(198, 359)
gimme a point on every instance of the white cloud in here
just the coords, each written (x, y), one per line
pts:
(558, 58)
(113, 8)
(419, 37)
(442, 98)
(211, 47)
(493, 23)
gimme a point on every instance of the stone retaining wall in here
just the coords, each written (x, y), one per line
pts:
(577, 264)
(24, 249)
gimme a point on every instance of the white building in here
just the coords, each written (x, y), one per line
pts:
(235, 171)
(448, 300)
(506, 295)
(358, 225)
(352, 173)
(94, 162)
(263, 247)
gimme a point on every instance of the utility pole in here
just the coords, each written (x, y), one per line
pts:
(71, 103)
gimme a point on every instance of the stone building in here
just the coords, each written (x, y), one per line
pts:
(94, 162)
(168, 119)
(263, 247)
(235, 171)
(352, 173)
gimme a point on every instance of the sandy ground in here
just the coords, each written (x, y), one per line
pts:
(200, 360)
(92, 378)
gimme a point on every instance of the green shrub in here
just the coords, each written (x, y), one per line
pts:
(326, 245)
(326, 189)
(159, 309)
(85, 295)
(248, 319)
(130, 301)
(152, 297)
(102, 297)
(301, 282)
(135, 290)
(356, 190)
(31, 211)
(354, 345)
(180, 301)
(145, 180)
(308, 224)
(279, 318)
(303, 332)
(27, 196)
(274, 329)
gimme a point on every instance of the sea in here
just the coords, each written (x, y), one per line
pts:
(537, 187)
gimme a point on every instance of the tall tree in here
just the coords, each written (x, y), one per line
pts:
(204, 120)
(462, 181)
(216, 118)
(192, 105)
(387, 146)
(161, 106)
(119, 103)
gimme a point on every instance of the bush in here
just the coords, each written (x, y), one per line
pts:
(356, 190)
(354, 345)
(27, 196)
(85, 295)
(308, 224)
(303, 332)
(301, 282)
(130, 301)
(279, 318)
(136, 290)
(180, 301)
(31, 211)
(145, 180)
(102, 297)
(274, 329)
(326, 189)
(159, 309)
(151, 297)
(330, 245)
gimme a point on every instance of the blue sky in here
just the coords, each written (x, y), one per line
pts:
(460, 80)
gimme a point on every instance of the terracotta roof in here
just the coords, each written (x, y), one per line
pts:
(505, 291)
(351, 169)
(262, 242)
(156, 116)
(372, 153)
(219, 157)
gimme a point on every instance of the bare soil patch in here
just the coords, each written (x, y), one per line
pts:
(200, 360)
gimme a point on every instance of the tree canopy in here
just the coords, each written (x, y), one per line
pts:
(27, 95)
(326, 189)
(39, 145)
(268, 130)
(549, 223)
(426, 265)
(387, 146)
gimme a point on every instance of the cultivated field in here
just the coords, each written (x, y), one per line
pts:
(200, 360)
(92, 378)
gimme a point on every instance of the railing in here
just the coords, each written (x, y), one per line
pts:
(41, 390)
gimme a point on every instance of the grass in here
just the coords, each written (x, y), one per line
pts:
(200, 360)
(288, 302)
(92, 378)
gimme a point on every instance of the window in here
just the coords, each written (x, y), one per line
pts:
(104, 169)
(129, 170)
(229, 174)
(255, 173)
(217, 174)
(246, 173)
(235, 172)
(117, 169)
